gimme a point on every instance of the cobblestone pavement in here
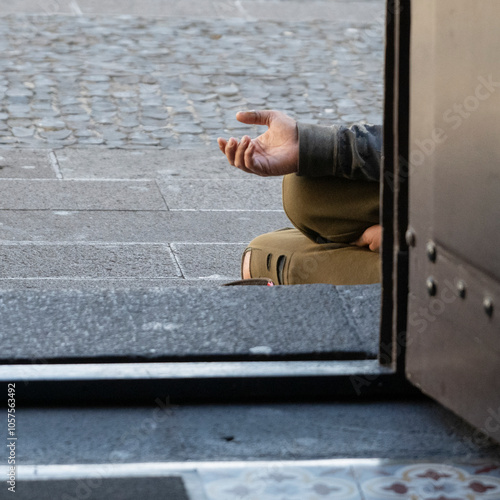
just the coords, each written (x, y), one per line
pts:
(127, 82)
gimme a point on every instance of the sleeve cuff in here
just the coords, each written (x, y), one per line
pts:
(317, 150)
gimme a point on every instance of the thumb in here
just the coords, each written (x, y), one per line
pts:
(371, 237)
(255, 117)
(362, 241)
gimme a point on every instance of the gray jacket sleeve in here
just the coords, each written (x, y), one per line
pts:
(350, 152)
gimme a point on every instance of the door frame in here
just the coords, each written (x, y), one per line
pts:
(216, 381)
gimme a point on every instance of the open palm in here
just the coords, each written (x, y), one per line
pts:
(275, 152)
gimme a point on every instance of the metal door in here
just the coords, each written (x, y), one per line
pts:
(453, 320)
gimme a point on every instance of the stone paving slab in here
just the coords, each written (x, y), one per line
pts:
(46, 7)
(26, 164)
(96, 284)
(43, 325)
(136, 264)
(209, 261)
(252, 193)
(80, 195)
(333, 10)
(130, 226)
(102, 163)
(158, 8)
(47, 260)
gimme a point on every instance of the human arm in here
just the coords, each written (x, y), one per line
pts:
(287, 147)
(349, 152)
(309, 150)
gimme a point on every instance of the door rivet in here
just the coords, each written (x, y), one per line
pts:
(461, 288)
(488, 305)
(431, 251)
(410, 237)
(431, 286)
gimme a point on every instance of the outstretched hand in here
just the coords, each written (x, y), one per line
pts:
(275, 152)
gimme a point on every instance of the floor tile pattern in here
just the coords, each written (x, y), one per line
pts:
(279, 483)
(387, 481)
(431, 482)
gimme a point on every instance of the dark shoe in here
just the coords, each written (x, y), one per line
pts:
(251, 281)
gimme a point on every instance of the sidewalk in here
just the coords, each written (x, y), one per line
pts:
(111, 174)
(110, 178)
(92, 218)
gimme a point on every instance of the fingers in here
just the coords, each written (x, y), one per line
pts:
(235, 152)
(222, 144)
(230, 150)
(255, 117)
(239, 158)
(249, 157)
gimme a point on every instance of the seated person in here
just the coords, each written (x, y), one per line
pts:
(330, 194)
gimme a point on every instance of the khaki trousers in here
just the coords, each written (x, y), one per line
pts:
(328, 213)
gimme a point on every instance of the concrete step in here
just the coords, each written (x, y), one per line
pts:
(190, 323)
(162, 432)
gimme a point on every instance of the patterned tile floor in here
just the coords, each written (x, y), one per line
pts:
(354, 480)
(350, 479)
